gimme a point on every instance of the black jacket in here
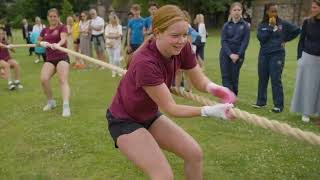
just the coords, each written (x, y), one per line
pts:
(29, 30)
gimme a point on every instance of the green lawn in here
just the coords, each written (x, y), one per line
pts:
(43, 145)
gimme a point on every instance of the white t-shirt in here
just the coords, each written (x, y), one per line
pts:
(97, 22)
(202, 32)
(38, 27)
(110, 30)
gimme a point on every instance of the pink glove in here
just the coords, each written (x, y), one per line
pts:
(225, 95)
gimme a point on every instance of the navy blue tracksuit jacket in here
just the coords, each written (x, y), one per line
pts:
(234, 40)
(271, 59)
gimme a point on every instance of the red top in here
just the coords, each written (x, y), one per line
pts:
(148, 68)
(4, 52)
(53, 36)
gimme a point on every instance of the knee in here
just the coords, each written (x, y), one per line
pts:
(195, 154)
(44, 80)
(16, 65)
(63, 81)
(162, 175)
(6, 66)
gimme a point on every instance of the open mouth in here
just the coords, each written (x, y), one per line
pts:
(178, 48)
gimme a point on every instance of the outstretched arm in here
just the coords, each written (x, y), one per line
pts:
(202, 83)
(160, 94)
(197, 78)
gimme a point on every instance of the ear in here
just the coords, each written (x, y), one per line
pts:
(156, 33)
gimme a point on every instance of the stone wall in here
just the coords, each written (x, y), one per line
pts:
(291, 10)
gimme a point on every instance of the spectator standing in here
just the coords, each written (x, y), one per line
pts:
(235, 38)
(26, 31)
(306, 98)
(85, 35)
(36, 30)
(135, 29)
(113, 34)
(273, 33)
(97, 31)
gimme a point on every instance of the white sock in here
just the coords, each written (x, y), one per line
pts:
(50, 101)
(65, 102)
(17, 81)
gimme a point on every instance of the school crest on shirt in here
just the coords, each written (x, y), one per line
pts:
(241, 27)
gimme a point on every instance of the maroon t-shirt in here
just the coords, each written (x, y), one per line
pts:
(53, 36)
(147, 68)
(4, 52)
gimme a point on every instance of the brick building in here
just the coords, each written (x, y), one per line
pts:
(292, 10)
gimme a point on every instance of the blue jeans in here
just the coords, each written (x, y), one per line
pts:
(230, 72)
(271, 65)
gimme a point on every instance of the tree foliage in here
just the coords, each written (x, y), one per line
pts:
(15, 10)
(211, 8)
(66, 10)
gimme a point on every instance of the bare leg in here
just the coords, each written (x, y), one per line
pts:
(176, 140)
(63, 74)
(142, 149)
(47, 72)
(6, 70)
(16, 67)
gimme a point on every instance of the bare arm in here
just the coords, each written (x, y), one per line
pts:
(112, 36)
(128, 36)
(197, 78)
(161, 95)
(39, 40)
(2, 45)
(63, 38)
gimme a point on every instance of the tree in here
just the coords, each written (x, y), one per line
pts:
(66, 10)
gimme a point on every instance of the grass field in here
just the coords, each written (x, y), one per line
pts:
(43, 145)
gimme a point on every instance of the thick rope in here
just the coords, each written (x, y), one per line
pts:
(263, 122)
(22, 45)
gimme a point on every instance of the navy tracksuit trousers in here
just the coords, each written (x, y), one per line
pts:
(230, 72)
(271, 65)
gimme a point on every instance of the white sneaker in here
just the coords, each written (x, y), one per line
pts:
(66, 110)
(37, 61)
(113, 74)
(305, 118)
(18, 84)
(49, 106)
(11, 86)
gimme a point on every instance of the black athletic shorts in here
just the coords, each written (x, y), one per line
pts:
(56, 62)
(118, 127)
